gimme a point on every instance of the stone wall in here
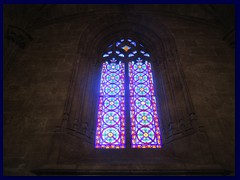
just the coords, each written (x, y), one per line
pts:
(36, 88)
(34, 95)
(209, 65)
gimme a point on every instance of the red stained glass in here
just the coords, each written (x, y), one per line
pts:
(145, 129)
(110, 131)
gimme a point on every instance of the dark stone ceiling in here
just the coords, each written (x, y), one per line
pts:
(29, 17)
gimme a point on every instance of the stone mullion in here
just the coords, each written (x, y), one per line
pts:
(164, 116)
(87, 118)
(190, 112)
(70, 95)
(9, 58)
(18, 39)
(179, 87)
(178, 97)
(70, 111)
(74, 101)
(81, 97)
(94, 98)
(183, 102)
(171, 100)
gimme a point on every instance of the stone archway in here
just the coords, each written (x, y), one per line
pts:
(75, 140)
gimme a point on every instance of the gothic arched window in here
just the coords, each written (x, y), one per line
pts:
(132, 87)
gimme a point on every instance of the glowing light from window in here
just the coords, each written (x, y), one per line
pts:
(145, 129)
(126, 48)
(110, 132)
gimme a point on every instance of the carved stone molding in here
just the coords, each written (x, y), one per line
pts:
(18, 35)
(229, 37)
(176, 109)
(134, 169)
(178, 121)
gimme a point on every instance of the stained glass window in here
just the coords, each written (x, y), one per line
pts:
(110, 131)
(143, 111)
(144, 120)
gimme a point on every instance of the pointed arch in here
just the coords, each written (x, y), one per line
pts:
(143, 116)
(175, 105)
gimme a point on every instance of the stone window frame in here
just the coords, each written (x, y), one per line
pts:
(73, 150)
(176, 109)
(139, 47)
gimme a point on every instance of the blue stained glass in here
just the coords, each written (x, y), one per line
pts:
(126, 48)
(147, 55)
(110, 132)
(133, 43)
(145, 129)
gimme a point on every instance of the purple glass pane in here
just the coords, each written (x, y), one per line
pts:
(110, 132)
(145, 129)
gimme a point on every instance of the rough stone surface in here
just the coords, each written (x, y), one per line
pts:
(38, 77)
